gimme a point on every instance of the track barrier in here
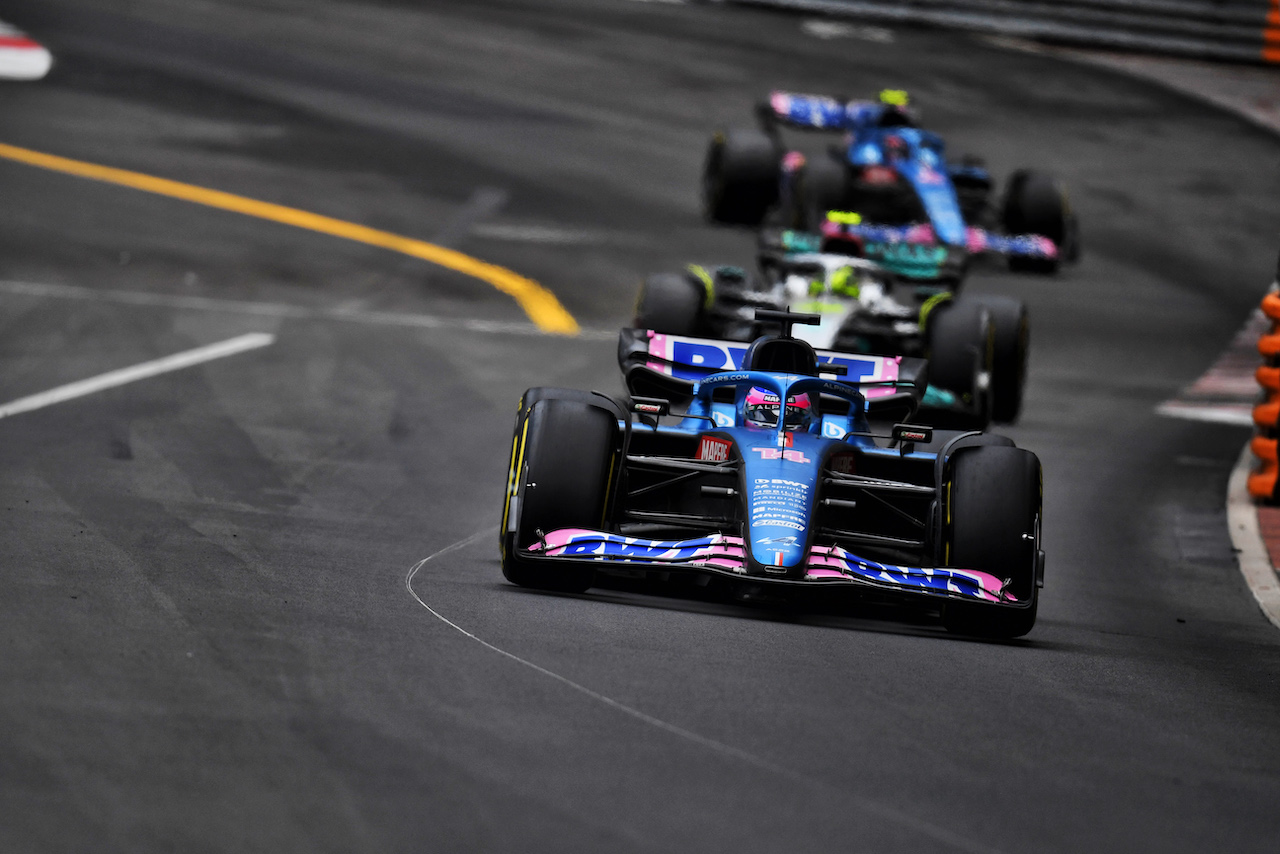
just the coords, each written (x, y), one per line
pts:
(1221, 30)
(1266, 414)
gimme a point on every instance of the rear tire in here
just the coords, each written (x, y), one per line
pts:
(562, 460)
(1036, 204)
(1012, 331)
(670, 303)
(961, 351)
(740, 177)
(994, 508)
(822, 187)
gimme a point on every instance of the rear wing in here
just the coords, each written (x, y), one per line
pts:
(809, 112)
(667, 366)
(921, 237)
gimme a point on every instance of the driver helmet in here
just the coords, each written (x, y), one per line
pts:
(896, 148)
(762, 410)
(896, 109)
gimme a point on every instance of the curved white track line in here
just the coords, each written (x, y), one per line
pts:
(1251, 551)
(897, 816)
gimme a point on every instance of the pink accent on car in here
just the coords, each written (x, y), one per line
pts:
(825, 564)
(921, 233)
(659, 346)
(1047, 246)
(715, 550)
(975, 239)
(833, 559)
(886, 370)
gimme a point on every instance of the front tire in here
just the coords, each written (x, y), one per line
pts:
(994, 511)
(562, 461)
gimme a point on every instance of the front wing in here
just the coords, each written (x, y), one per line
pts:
(720, 554)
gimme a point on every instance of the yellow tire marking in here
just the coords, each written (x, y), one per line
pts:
(538, 303)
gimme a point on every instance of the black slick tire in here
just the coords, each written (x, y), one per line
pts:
(992, 524)
(961, 343)
(1035, 204)
(1012, 343)
(821, 188)
(563, 456)
(740, 177)
(670, 303)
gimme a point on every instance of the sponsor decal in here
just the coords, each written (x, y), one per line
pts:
(790, 456)
(833, 430)
(721, 419)
(834, 563)
(912, 433)
(648, 407)
(714, 550)
(696, 358)
(779, 502)
(843, 463)
(713, 450)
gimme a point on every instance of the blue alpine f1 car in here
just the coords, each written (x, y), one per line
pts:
(757, 468)
(893, 175)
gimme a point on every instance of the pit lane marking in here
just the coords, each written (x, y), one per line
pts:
(285, 311)
(884, 811)
(540, 304)
(145, 370)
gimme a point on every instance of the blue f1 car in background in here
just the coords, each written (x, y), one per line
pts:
(893, 175)
(767, 479)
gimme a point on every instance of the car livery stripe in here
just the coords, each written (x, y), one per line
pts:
(824, 564)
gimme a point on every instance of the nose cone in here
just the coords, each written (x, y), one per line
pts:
(780, 487)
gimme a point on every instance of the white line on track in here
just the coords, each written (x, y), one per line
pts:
(538, 234)
(281, 310)
(1242, 520)
(897, 816)
(111, 379)
(1235, 414)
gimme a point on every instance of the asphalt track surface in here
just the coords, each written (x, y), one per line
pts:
(209, 639)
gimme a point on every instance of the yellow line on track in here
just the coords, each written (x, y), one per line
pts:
(539, 303)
